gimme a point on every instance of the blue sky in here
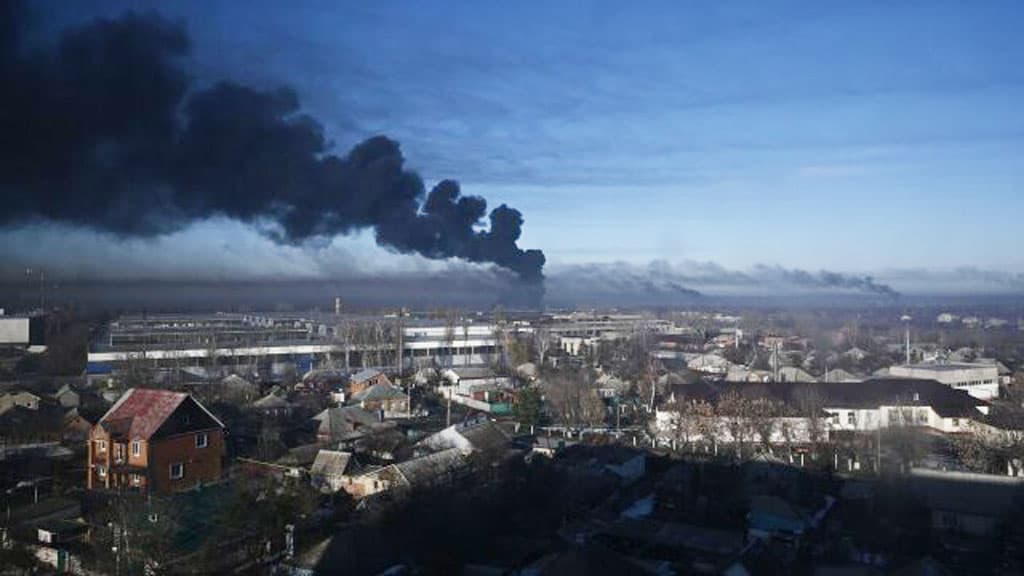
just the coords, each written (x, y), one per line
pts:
(852, 136)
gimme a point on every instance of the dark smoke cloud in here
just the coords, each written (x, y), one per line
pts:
(660, 282)
(619, 284)
(106, 131)
(825, 279)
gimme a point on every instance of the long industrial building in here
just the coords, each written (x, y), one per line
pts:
(978, 380)
(278, 343)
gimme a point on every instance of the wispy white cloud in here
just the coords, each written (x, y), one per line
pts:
(831, 170)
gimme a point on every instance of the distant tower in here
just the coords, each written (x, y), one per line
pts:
(337, 306)
(906, 321)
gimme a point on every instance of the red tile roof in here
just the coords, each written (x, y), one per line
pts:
(140, 412)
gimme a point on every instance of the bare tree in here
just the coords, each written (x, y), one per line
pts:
(343, 335)
(268, 444)
(574, 400)
(136, 535)
(736, 411)
(542, 340)
(788, 435)
(397, 338)
(449, 340)
(764, 414)
(501, 341)
(989, 449)
(212, 353)
(903, 434)
(810, 406)
(378, 341)
(450, 319)
(691, 422)
(518, 350)
(137, 370)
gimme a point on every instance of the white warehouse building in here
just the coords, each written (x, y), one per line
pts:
(979, 380)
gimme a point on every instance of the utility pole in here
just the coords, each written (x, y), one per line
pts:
(399, 333)
(448, 416)
(878, 445)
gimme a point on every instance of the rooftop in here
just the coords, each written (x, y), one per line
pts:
(379, 391)
(873, 393)
(365, 374)
(945, 366)
(330, 463)
(140, 412)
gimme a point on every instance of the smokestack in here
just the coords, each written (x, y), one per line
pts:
(906, 321)
(908, 344)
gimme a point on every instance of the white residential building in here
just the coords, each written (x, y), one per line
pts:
(845, 407)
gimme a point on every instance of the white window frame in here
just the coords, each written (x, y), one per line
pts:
(202, 440)
(101, 470)
(101, 445)
(136, 448)
(136, 480)
(181, 470)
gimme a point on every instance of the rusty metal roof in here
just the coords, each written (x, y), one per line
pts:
(140, 412)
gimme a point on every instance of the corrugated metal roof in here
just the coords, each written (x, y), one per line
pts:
(330, 463)
(365, 374)
(140, 412)
(431, 468)
(379, 391)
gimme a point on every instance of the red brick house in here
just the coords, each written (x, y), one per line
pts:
(155, 440)
(364, 379)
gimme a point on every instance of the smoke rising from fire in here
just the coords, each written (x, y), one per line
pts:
(107, 131)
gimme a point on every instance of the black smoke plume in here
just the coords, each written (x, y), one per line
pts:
(107, 131)
(827, 279)
(662, 282)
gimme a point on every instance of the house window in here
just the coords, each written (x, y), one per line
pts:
(136, 480)
(201, 440)
(851, 418)
(956, 422)
(101, 445)
(136, 448)
(101, 470)
(177, 470)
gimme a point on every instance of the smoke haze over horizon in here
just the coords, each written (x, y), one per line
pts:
(192, 142)
(196, 256)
